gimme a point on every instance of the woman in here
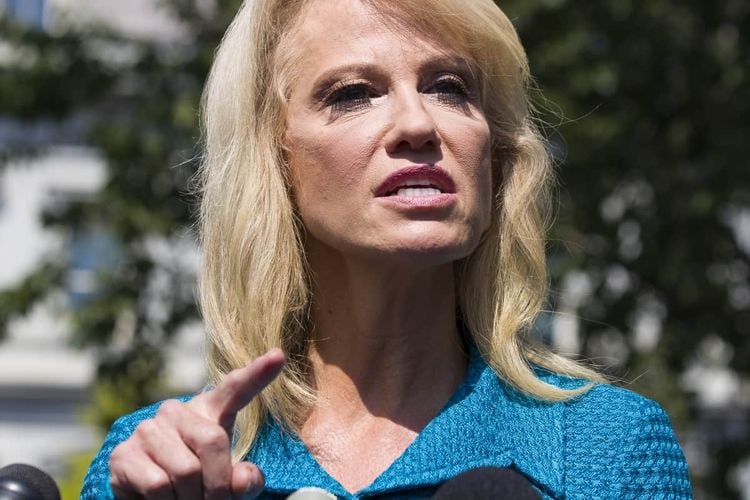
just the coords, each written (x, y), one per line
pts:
(374, 205)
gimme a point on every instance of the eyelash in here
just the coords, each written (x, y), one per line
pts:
(341, 98)
(355, 96)
(459, 93)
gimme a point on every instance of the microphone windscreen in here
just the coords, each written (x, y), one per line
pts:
(487, 482)
(22, 482)
(311, 493)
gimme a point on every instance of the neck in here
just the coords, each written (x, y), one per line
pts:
(385, 340)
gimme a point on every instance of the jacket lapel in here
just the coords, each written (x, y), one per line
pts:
(487, 423)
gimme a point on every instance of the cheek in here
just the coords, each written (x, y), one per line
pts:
(472, 148)
(324, 172)
(485, 194)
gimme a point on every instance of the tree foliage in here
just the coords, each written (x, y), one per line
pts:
(650, 103)
(646, 105)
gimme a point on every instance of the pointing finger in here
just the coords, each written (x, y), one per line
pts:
(240, 386)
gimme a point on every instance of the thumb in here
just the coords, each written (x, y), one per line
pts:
(247, 481)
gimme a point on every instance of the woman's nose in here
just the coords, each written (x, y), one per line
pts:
(412, 125)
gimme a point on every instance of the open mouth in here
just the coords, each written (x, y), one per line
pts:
(417, 181)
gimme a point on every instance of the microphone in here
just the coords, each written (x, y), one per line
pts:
(24, 482)
(487, 482)
(311, 493)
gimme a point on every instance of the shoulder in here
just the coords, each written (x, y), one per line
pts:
(608, 419)
(96, 483)
(610, 413)
(604, 404)
(621, 440)
(608, 442)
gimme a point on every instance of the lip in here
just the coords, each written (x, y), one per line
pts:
(432, 173)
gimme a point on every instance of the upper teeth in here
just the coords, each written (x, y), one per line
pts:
(417, 182)
(417, 187)
(430, 191)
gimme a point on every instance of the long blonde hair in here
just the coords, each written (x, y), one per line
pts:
(254, 291)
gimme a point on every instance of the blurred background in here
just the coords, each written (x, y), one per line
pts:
(646, 105)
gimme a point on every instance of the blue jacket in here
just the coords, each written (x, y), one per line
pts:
(607, 443)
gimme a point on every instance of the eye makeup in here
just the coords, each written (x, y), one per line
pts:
(353, 88)
(349, 96)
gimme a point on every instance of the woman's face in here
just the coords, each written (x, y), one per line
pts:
(388, 147)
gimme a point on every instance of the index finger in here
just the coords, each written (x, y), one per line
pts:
(240, 386)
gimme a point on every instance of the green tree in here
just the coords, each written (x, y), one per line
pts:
(654, 99)
(138, 100)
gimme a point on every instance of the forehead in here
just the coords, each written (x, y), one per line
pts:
(335, 20)
(345, 32)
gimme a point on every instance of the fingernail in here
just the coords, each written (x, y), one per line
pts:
(252, 491)
(275, 351)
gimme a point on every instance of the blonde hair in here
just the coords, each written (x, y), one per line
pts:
(254, 290)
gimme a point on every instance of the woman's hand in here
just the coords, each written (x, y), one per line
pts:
(184, 451)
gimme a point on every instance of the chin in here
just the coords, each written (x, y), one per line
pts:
(429, 252)
(417, 247)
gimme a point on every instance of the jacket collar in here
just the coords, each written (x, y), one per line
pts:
(486, 423)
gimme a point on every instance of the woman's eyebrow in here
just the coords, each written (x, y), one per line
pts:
(461, 65)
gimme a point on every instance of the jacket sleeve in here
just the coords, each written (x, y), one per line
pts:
(96, 484)
(621, 445)
(654, 465)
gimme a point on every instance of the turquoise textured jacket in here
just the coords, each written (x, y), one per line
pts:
(607, 443)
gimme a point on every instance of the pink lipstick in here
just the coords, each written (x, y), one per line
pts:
(418, 186)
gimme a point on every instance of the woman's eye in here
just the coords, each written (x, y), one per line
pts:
(350, 98)
(450, 90)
